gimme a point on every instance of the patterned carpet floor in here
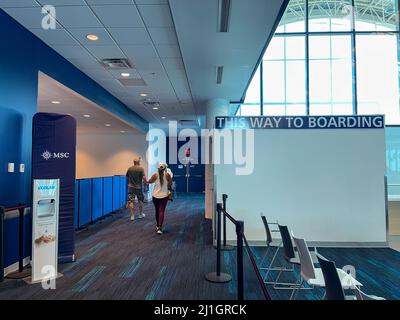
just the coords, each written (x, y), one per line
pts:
(117, 259)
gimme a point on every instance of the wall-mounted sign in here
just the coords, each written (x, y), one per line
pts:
(301, 122)
(45, 229)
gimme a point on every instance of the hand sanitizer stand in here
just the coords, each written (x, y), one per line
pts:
(46, 198)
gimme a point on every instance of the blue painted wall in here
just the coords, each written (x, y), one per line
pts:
(22, 56)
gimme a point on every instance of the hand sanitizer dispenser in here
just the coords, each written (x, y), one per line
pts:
(45, 229)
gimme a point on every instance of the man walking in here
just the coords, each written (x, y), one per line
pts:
(136, 177)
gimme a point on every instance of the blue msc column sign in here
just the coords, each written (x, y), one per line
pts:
(301, 122)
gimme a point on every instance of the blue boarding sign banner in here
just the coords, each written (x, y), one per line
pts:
(301, 122)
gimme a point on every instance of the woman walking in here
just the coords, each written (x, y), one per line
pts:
(162, 185)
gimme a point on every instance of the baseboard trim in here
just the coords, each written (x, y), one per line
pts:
(15, 213)
(325, 244)
(14, 267)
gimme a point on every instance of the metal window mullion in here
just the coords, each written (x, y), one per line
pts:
(307, 62)
(398, 42)
(398, 15)
(354, 59)
(284, 75)
(331, 72)
(262, 88)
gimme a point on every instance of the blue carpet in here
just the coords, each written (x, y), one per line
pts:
(117, 259)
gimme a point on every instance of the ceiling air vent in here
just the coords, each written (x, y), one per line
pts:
(153, 104)
(136, 82)
(220, 71)
(188, 123)
(116, 64)
(223, 15)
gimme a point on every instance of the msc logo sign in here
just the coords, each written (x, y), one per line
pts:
(47, 155)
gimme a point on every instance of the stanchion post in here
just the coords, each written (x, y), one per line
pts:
(224, 197)
(1, 244)
(21, 238)
(218, 276)
(240, 279)
(225, 246)
(219, 212)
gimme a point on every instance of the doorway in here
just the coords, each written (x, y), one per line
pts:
(189, 172)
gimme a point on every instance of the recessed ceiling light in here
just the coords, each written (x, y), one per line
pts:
(108, 125)
(55, 102)
(163, 117)
(86, 115)
(125, 74)
(155, 108)
(92, 37)
(143, 94)
(122, 131)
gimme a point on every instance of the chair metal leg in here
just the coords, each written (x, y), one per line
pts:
(263, 259)
(295, 289)
(272, 261)
(288, 285)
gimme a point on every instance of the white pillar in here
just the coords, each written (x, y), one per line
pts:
(214, 108)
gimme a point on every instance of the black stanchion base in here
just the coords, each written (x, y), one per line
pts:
(223, 277)
(19, 275)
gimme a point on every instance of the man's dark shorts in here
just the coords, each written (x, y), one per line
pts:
(132, 192)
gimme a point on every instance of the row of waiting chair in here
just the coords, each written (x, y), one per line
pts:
(333, 280)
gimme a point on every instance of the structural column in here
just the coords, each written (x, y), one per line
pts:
(214, 108)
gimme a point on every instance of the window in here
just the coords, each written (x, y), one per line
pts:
(339, 66)
(248, 110)
(328, 58)
(326, 16)
(284, 71)
(294, 18)
(378, 76)
(253, 92)
(330, 75)
(376, 15)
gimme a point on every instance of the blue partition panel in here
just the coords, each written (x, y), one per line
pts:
(123, 190)
(85, 203)
(107, 195)
(97, 198)
(76, 207)
(116, 193)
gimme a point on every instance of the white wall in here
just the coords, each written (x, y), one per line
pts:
(326, 185)
(100, 155)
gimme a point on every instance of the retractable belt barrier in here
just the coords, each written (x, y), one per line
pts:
(219, 277)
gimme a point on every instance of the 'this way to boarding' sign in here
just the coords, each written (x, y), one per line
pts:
(301, 122)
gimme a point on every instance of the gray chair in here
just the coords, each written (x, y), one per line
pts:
(363, 296)
(314, 276)
(291, 257)
(271, 244)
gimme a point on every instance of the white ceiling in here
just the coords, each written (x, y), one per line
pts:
(76, 105)
(140, 30)
(203, 48)
(174, 46)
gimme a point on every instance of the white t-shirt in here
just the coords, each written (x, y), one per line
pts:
(161, 190)
(169, 171)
